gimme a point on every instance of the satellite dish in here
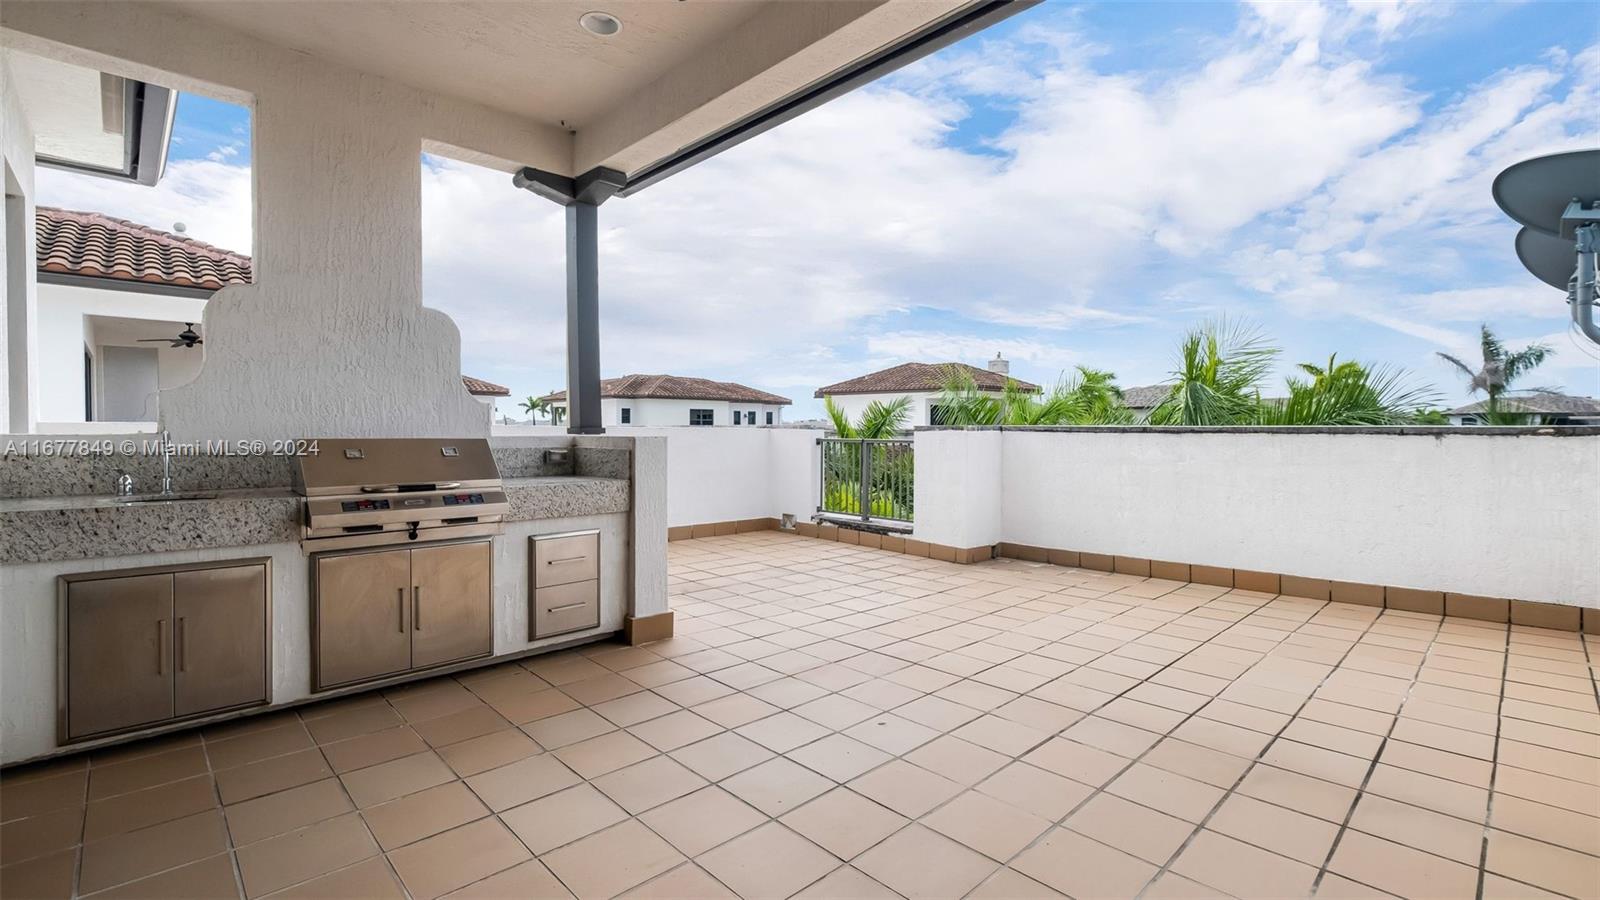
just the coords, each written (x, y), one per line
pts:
(1549, 257)
(1536, 192)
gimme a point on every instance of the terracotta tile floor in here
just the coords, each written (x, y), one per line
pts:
(839, 722)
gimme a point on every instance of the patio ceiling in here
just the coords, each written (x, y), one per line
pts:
(674, 73)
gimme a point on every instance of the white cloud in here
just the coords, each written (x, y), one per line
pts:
(1291, 175)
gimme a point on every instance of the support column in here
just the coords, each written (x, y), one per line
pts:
(582, 197)
(583, 319)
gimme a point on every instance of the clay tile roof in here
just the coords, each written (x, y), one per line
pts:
(1539, 402)
(917, 377)
(1146, 396)
(477, 387)
(678, 387)
(95, 245)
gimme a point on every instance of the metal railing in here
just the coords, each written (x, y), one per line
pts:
(868, 480)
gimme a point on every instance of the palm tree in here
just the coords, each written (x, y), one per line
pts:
(1347, 393)
(1499, 371)
(1217, 382)
(877, 422)
(1085, 397)
(533, 406)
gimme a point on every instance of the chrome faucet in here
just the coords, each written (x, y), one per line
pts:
(166, 463)
(125, 485)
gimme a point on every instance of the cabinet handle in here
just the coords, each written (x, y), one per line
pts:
(181, 645)
(161, 646)
(568, 559)
(416, 606)
(402, 610)
(556, 609)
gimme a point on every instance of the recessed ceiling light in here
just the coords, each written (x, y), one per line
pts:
(603, 24)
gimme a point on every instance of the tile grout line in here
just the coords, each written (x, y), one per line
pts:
(1231, 791)
(1494, 768)
(1372, 766)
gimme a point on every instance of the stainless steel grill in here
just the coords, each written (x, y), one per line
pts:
(368, 492)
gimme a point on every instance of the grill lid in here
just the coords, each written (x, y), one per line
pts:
(382, 465)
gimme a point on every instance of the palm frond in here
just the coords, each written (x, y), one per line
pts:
(839, 419)
(883, 420)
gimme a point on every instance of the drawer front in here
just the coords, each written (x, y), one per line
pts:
(564, 560)
(566, 607)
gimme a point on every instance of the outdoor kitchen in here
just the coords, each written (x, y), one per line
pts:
(248, 583)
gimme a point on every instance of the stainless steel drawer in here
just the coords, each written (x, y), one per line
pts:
(564, 560)
(566, 607)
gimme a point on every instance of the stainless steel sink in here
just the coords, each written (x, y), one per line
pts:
(162, 498)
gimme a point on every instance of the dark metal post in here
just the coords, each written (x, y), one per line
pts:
(866, 480)
(583, 319)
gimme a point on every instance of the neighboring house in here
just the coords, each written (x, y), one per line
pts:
(113, 296)
(677, 400)
(1141, 400)
(922, 382)
(1541, 408)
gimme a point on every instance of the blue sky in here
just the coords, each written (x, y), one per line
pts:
(1078, 185)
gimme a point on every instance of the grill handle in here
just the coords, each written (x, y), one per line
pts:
(409, 488)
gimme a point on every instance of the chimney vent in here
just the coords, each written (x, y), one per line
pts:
(1000, 365)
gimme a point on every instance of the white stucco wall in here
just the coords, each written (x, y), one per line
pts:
(63, 335)
(18, 321)
(654, 413)
(958, 488)
(1502, 516)
(854, 404)
(725, 474)
(332, 338)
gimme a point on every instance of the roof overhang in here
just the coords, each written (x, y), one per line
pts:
(95, 122)
(678, 83)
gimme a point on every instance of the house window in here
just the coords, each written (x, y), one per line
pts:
(627, 415)
(701, 417)
(769, 418)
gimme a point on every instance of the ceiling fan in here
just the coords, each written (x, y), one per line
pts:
(186, 338)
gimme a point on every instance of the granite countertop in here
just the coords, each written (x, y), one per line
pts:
(40, 529)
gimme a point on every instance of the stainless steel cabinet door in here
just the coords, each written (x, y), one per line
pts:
(119, 653)
(450, 603)
(363, 616)
(219, 638)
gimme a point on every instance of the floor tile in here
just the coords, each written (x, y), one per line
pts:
(718, 757)
(1283, 831)
(270, 775)
(208, 879)
(776, 786)
(684, 882)
(702, 820)
(960, 761)
(297, 856)
(274, 814)
(1545, 865)
(674, 730)
(905, 788)
(526, 779)
(1150, 835)
(145, 772)
(147, 851)
(1242, 870)
(530, 879)
(374, 748)
(563, 817)
(457, 858)
(459, 726)
(1028, 787)
(997, 830)
(770, 861)
(370, 879)
(386, 781)
(838, 757)
(489, 751)
(844, 823)
(568, 728)
(1079, 867)
(1400, 870)
(423, 814)
(609, 862)
(648, 784)
(606, 753)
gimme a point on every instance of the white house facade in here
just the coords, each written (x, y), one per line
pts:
(665, 400)
(922, 383)
(115, 299)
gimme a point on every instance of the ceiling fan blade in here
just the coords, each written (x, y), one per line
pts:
(152, 340)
